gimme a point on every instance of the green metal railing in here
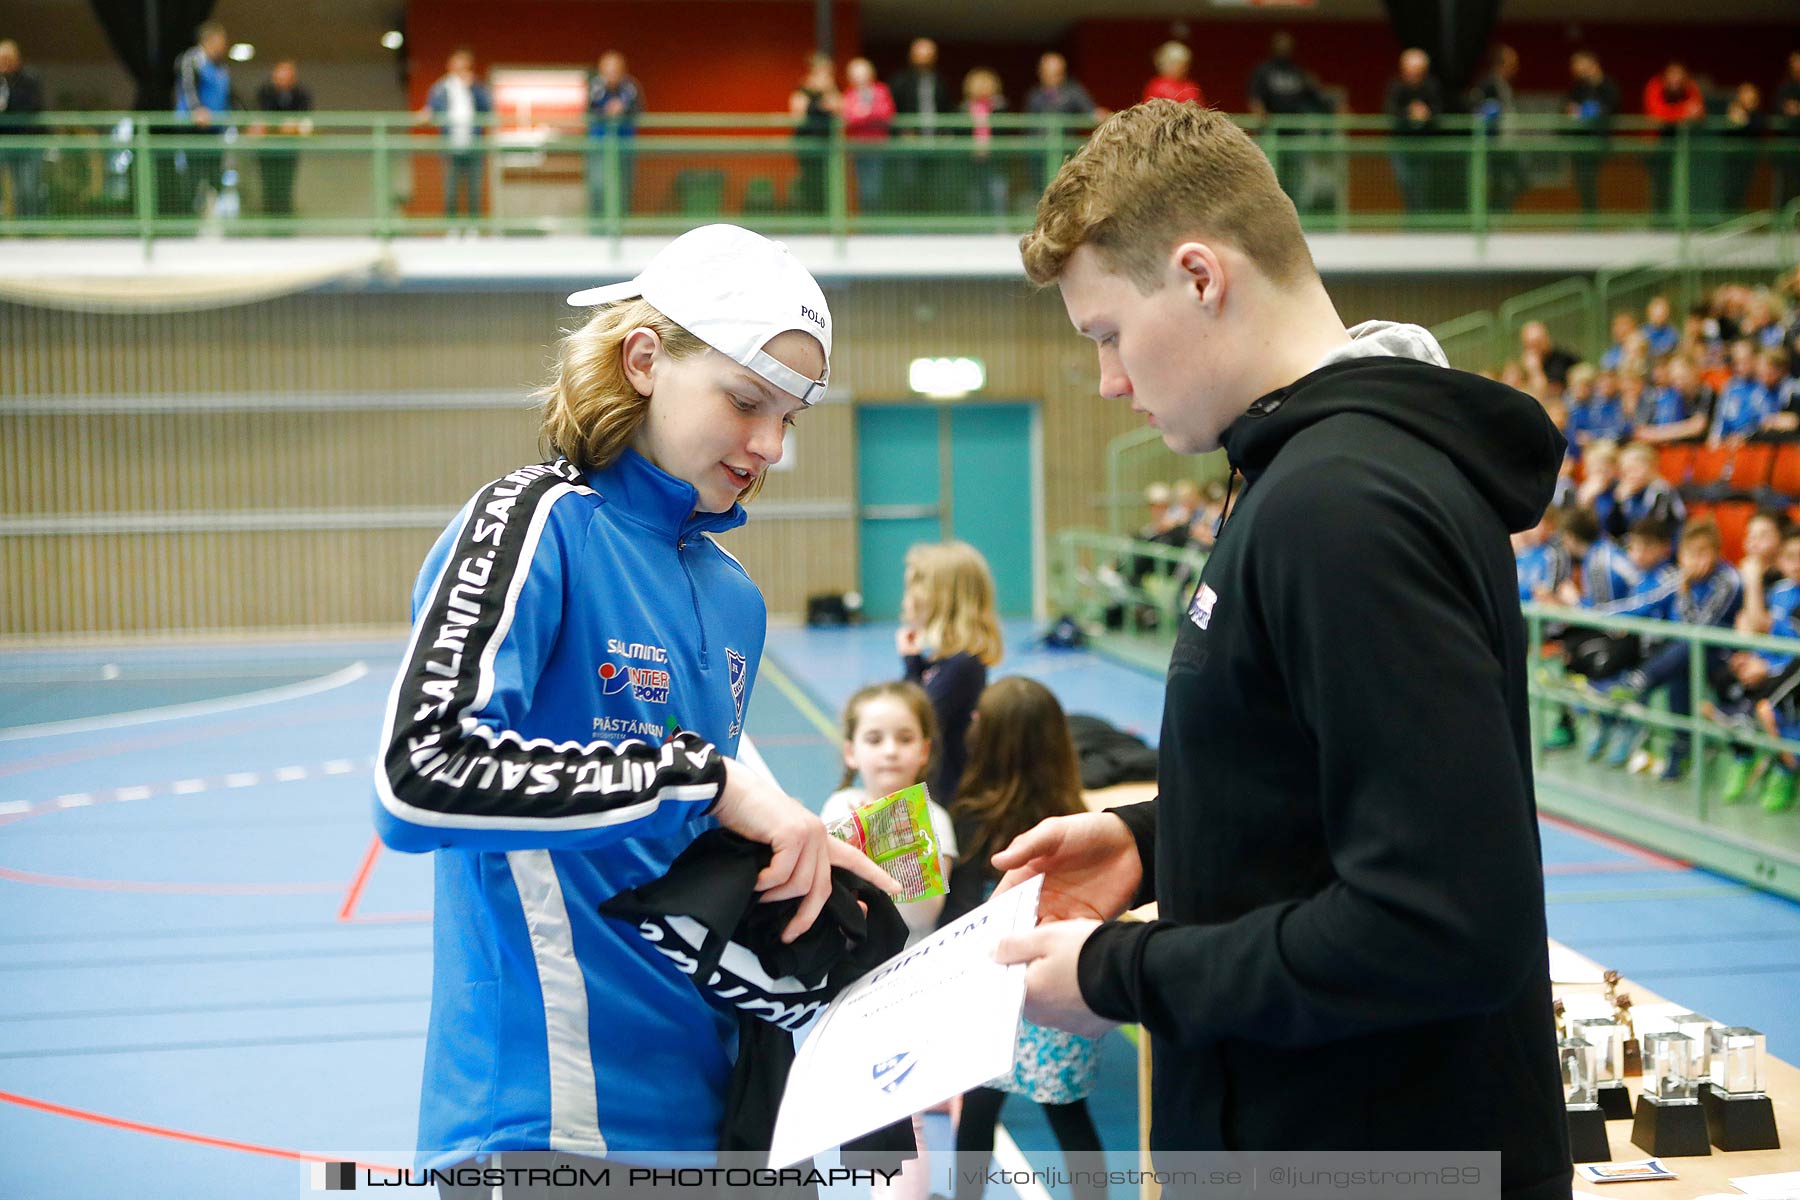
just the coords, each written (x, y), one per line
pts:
(1092, 573)
(1576, 310)
(1687, 819)
(154, 175)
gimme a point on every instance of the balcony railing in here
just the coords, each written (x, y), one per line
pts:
(151, 175)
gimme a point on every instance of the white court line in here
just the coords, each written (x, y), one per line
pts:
(14, 806)
(73, 800)
(289, 774)
(241, 779)
(339, 766)
(187, 787)
(205, 708)
(1012, 1161)
(139, 792)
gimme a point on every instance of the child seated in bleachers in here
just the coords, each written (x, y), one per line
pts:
(1743, 401)
(1640, 492)
(1540, 559)
(1599, 476)
(1763, 686)
(1679, 409)
(1782, 394)
(1661, 336)
(1612, 578)
(1624, 325)
(1700, 588)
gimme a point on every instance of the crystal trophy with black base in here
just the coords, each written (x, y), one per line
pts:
(1587, 1124)
(1670, 1122)
(1607, 1037)
(1739, 1115)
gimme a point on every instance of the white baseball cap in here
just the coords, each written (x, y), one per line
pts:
(734, 290)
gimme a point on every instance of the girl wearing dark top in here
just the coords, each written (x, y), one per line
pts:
(949, 637)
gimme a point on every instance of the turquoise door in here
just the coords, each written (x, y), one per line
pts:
(927, 472)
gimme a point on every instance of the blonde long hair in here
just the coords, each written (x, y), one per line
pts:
(952, 594)
(592, 411)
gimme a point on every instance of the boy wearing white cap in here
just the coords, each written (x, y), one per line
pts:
(564, 721)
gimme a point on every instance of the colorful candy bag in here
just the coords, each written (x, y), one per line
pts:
(895, 831)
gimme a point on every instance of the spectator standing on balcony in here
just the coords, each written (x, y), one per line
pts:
(1734, 143)
(987, 174)
(615, 100)
(812, 104)
(1785, 181)
(1279, 88)
(920, 93)
(1672, 100)
(868, 111)
(282, 93)
(457, 104)
(202, 94)
(1173, 61)
(1414, 103)
(21, 96)
(1492, 102)
(1590, 104)
(1058, 96)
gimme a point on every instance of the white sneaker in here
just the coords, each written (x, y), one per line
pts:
(1641, 762)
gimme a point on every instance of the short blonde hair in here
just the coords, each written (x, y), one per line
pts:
(954, 593)
(1170, 53)
(591, 409)
(1153, 175)
(1639, 452)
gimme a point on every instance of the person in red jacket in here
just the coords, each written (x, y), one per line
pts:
(868, 110)
(1672, 99)
(1171, 81)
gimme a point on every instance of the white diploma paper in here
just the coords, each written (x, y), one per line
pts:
(926, 1025)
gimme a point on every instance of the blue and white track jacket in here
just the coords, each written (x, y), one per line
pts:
(560, 625)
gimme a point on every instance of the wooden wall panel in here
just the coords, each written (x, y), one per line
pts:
(256, 456)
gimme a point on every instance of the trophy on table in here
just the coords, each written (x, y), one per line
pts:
(1607, 1037)
(1739, 1115)
(1587, 1124)
(1670, 1122)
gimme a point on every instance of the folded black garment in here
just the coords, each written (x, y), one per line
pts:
(704, 914)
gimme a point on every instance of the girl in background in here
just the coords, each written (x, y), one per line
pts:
(890, 733)
(949, 637)
(1022, 770)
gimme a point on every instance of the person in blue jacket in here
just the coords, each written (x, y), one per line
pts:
(567, 715)
(1699, 588)
(459, 104)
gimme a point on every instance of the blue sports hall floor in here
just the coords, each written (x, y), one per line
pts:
(212, 976)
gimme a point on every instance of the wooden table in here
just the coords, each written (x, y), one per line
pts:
(1699, 1176)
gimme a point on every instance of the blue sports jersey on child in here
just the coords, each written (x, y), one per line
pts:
(564, 624)
(1742, 406)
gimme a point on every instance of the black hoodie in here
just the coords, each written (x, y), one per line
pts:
(1351, 951)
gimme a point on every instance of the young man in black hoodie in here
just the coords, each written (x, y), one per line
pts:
(1351, 949)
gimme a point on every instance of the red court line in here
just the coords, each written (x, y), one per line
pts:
(347, 910)
(1619, 844)
(179, 1135)
(167, 889)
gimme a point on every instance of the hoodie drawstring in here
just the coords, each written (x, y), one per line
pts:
(1230, 485)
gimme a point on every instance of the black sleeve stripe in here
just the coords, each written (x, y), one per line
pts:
(440, 766)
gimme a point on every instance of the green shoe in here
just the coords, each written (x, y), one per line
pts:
(1737, 779)
(1778, 792)
(1560, 737)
